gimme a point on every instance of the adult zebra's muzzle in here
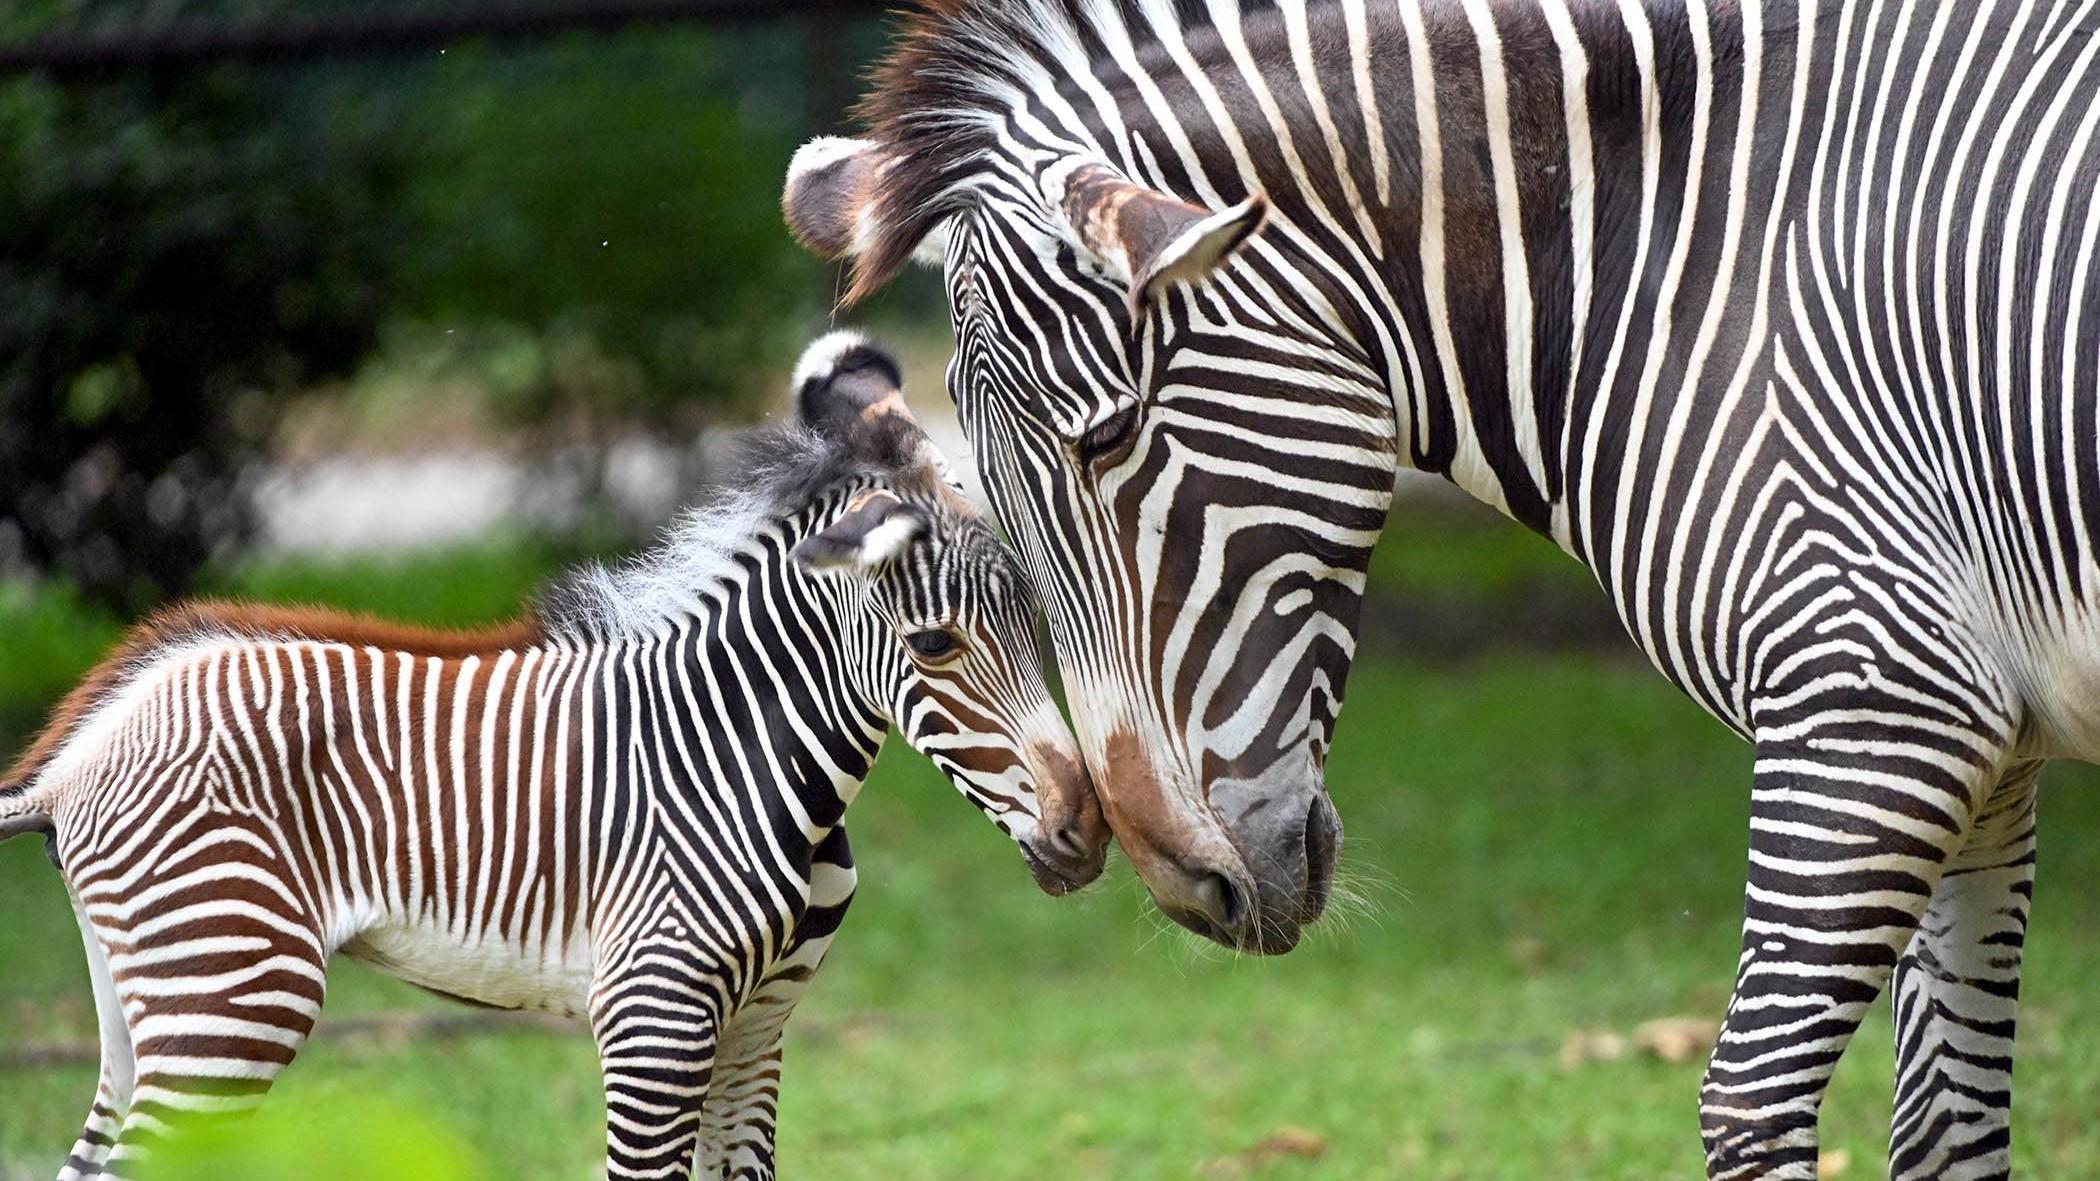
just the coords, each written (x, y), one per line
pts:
(1250, 866)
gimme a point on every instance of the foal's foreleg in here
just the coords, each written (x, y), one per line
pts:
(743, 1112)
(657, 1025)
(1957, 993)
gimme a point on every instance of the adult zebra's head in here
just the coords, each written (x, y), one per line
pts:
(952, 614)
(1195, 474)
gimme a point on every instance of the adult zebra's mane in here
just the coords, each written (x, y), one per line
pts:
(938, 99)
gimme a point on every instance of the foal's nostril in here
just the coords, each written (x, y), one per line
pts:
(1222, 901)
(1066, 842)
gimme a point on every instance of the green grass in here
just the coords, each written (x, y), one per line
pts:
(1552, 843)
(1462, 552)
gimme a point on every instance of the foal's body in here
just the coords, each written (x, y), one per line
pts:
(629, 809)
(470, 826)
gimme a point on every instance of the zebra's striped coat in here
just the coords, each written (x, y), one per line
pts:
(628, 809)
(1776, 315)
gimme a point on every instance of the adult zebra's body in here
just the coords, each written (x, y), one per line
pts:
(630, 809)
(1780, 317)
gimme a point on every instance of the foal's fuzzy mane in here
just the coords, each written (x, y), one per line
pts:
(783, 469)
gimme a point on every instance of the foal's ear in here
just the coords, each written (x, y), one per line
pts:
(843, 383)
(875, 531)
(829, 200)
(1150, 240)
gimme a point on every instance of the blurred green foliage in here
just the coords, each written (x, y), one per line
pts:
(586, 228)
(168, 255)
(367, 1138)
(617, 197)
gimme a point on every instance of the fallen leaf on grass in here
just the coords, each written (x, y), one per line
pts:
(1303, 1143)
(1591, 1045)
(1529, 953)
(1667, 1039)
(1677, 1039)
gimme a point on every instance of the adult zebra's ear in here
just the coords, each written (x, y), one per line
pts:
(829, 200)
(1149, 240)
(875, 531)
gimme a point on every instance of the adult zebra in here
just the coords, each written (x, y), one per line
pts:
(629, 807)
(1778, 317)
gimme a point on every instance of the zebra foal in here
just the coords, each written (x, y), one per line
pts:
(626, 807)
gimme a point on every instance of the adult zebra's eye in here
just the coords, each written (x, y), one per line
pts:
(1109, 436)
(934, 642)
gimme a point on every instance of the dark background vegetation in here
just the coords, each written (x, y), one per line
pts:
(586, 221)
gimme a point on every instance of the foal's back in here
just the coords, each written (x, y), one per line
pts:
(411, 797)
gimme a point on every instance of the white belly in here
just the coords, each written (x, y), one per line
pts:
(2067, 701)
(483, 971)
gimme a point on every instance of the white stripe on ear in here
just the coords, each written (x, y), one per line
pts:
(885, 543)
(875, 531)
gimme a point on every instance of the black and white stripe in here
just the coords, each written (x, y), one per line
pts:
(630, 811)
(1777, 316)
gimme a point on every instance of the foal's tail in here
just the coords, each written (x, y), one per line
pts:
(22, 807)
(25, 788)
(20, 814)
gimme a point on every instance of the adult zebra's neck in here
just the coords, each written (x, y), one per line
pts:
(1483, 201)
(1521, 171)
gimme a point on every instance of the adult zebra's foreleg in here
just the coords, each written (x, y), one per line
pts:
(1957, 993)
(1855, 812)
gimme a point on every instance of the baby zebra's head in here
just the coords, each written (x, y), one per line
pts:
(960, 666)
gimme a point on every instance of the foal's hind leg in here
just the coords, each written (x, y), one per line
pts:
(1957, 993)
(119, 1066)
(220, 974)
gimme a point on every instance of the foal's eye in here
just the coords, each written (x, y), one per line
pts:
(1108, 436)
(934, 642)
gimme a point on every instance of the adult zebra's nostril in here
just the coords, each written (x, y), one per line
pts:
(1323, 846)
(1222, 901)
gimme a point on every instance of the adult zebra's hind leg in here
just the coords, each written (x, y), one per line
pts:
(1957, 993)
(657, 1021)
(1857, 806)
